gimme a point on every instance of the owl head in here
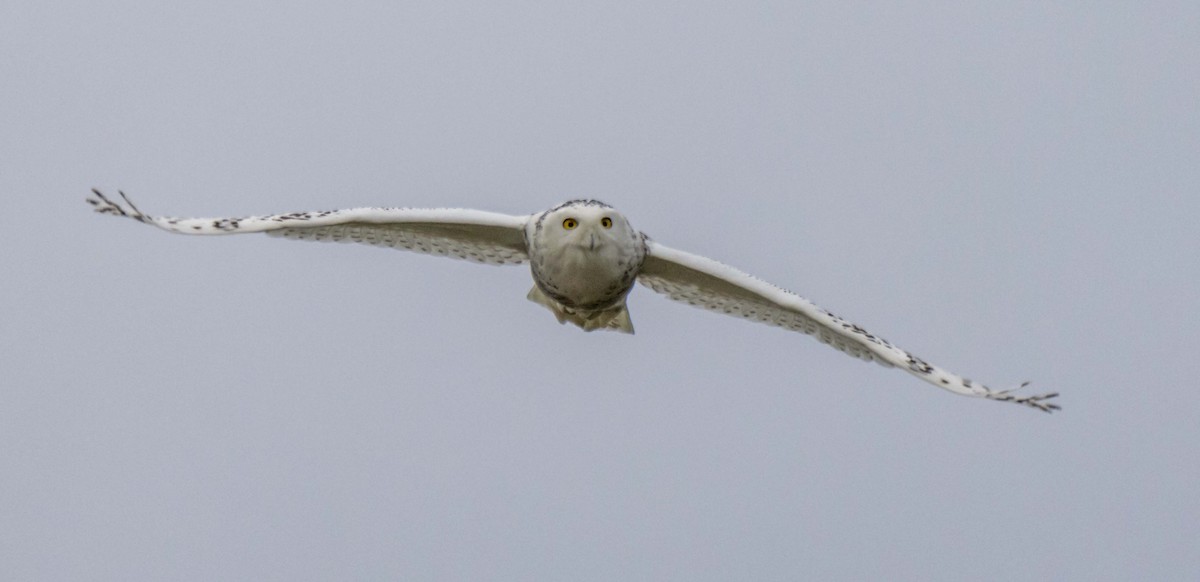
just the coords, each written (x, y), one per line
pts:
(588, 225)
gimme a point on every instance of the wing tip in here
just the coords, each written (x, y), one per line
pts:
(1038, 401)
(104, 205)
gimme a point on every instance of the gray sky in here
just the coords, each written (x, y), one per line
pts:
(1009, 190)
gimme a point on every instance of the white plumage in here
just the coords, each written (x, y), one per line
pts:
(584, 257)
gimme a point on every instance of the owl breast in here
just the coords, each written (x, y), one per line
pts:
(585, 279)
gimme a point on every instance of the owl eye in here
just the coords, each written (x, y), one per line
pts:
(606, 222)
(570, 223)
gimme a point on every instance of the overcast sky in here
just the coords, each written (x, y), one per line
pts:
(1009, 190)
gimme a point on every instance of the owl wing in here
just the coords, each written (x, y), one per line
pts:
(474, 235)
(705, 283)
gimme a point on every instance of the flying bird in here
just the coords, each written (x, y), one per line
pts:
(584, 257)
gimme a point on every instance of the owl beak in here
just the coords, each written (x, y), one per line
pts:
(592, 241)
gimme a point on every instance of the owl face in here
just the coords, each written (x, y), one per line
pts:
(585, 225)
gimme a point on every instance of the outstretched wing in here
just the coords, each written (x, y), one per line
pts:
(703, 282)
(474, 235)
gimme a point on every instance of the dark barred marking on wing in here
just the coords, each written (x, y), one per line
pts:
(412, 239)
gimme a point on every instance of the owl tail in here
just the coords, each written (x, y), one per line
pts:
(614, 318)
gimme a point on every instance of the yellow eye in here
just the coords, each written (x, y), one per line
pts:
(606, 222)
(570, 223)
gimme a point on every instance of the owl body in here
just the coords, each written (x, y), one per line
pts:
(584, 258)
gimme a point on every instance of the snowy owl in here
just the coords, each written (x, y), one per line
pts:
(584, 257)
